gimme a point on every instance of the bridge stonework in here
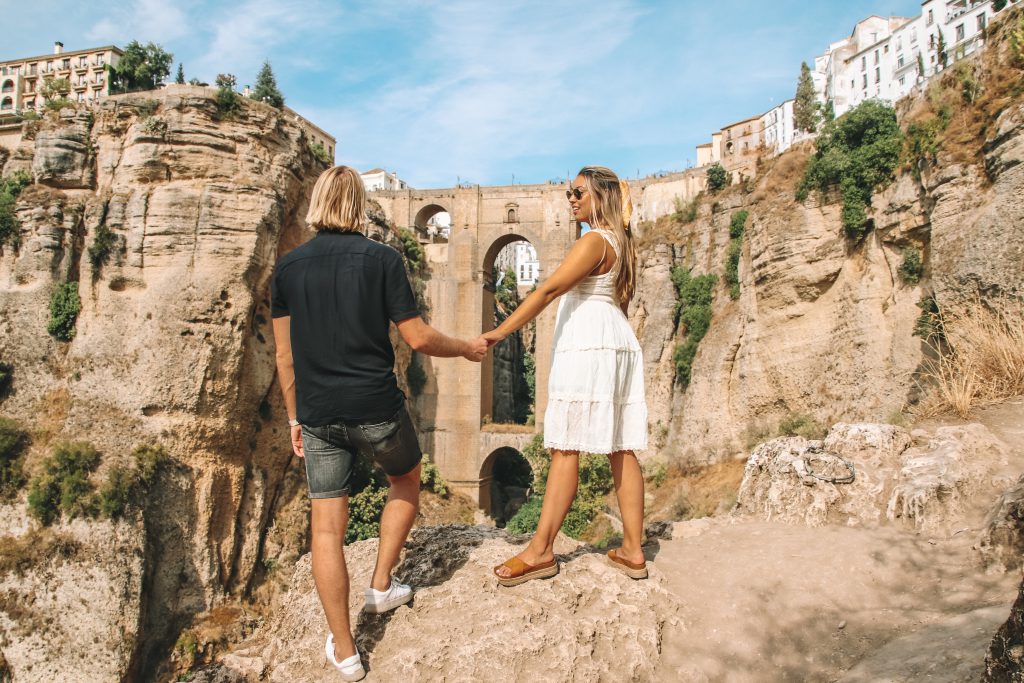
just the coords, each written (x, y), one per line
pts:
(456, 402)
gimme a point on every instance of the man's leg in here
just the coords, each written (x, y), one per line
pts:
(330, 519)
(395, 523)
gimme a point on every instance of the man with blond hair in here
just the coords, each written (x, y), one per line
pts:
(333, 300)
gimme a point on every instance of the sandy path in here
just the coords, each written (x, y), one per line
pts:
(772, 602)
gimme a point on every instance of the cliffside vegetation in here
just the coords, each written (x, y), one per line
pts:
(732, 255)
(10, 188)
(693, 310)
(65, 304)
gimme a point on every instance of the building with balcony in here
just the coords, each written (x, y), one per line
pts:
(778, 126)
(379, 179)
(85, 70)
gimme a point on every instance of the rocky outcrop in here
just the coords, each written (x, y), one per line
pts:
(870, 474)
(72, 601)
(173, 342)
(1002, 541)
(1005, 660)
(588, 623)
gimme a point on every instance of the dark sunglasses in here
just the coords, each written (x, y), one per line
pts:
(575, 192)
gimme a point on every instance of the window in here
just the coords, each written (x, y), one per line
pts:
(864, 81)
(931, 18)
(899, 44)
(981, 21)
(32, 69)
(49, 66)
(878, 75)
(876, 56)
(8, 86)
(903, 80)
(7, 103)
(863, 63)
(65, 64)
(82, 62)
(959, 32)
(899, 62)
(81, 97)
(885, 49)
(913, 36)
(852, 84)
(81, 80)
(511, 215)
(99, 60)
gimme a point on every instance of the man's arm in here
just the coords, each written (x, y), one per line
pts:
(286, 375)
(425, 339)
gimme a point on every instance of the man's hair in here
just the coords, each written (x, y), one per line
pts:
(338, 201)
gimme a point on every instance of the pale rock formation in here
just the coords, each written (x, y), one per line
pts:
(928, 485)
(80, 610)
(1002, 540)
(588, 623)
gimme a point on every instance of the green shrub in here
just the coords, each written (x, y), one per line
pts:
(912, 267)
(146, 108)
(63, 486)
(799, 424)
(364, 511)
(229, 102)
(58, 103)
(412, 250)
(13, 440)
(858, 152)
(732, 254)
(718, 177)
(320, 152)
(693, 309)
(102, 246)
(127, 487)
(431, 479)
(922, 143)
(929, 324)
(10, 188)
(65, 305)
(1017, 42)
(416, 375)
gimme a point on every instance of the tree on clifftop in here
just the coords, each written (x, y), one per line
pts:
(806, 112)
(266, 88)
(180, 78)
(142, 67)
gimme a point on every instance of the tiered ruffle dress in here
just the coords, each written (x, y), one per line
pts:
(596, 400)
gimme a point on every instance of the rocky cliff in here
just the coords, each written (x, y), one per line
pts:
(173, 343)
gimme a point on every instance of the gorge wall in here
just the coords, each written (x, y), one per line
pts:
(173, 344)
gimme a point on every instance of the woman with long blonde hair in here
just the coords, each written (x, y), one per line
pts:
(596, 398)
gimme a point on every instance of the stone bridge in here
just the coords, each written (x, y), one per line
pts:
(455, 405)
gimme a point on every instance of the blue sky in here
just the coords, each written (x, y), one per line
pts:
(481, 92)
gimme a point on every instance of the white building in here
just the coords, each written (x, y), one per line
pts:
(379, 179)
(521, 258)
(883, 57)
(778, 127)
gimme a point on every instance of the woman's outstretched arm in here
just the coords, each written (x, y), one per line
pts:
(581, 260)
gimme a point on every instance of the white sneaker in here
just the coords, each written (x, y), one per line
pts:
(382, 601)
(351, 668)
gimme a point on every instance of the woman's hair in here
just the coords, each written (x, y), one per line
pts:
(610, 212)
(338, 201)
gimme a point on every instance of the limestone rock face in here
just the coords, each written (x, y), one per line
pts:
(78, 611)
(1002, 541)
(173, 344)
(588, 623)
(928, 484)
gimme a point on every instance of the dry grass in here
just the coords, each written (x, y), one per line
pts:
(34, 550)
(693, 491)
(981, 361)
(507, 428)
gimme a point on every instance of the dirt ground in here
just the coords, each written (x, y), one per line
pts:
(766, 601)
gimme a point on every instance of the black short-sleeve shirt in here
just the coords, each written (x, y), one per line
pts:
(342, 290)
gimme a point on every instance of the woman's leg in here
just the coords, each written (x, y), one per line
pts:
(629, 489)
(563, 477)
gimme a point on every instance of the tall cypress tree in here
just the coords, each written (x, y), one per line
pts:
(266, 88)
(806, 112)
(180, 78)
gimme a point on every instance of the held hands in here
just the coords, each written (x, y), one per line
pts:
(492, 337)
(475, 349)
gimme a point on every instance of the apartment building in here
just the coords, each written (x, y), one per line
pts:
(379, 179)
(885, 58)
(778, 126)
(521, 259)
(85, 71)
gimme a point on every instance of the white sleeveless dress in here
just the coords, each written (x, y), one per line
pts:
(596, 400)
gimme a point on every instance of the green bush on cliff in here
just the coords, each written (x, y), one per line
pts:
(65, 304)
(858, 152)
(10, 188)
(912, 267)
(13, 440)
(364, 511)
(732, 255)
(63, 487)
(127, 487)
(718, 177)
(6, 373)
(318, 150)
(101, 248)
(693, 309)
(431, 479)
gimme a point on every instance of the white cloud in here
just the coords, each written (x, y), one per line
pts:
(145, 21)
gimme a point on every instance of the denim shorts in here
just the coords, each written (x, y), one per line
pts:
(329, 450)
